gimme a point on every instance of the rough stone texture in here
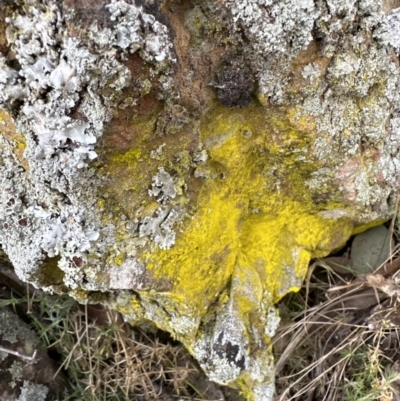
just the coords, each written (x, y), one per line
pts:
(183, 161)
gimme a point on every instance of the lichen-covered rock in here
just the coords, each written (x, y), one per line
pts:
(184, 162)
(27, 372)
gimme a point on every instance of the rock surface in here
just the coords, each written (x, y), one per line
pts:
(26, 371)
(184, 162)
(371, 249)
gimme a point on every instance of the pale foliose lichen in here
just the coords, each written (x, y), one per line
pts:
(47, 211)
(33, 392)
(129, 30)
(16, 373)
(394, 25)
(160, 227)
(311, 72)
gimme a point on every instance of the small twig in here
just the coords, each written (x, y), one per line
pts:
(16, 353)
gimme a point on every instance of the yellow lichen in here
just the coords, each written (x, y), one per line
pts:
(251, 224)
(367, 226)
(243, 226)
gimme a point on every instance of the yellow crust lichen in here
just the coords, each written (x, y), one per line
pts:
(254, 218)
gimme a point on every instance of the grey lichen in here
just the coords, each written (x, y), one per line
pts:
(262, 372)
(264, 391)
(129, 275)
(394, 24)
(33, 392)
(277, 31)
(351, 90)
(311, 72)
(161, 226)
(129, 30)
(16, 373)
(354, 121)
(48, 211)
(272, 321)
(12, 331)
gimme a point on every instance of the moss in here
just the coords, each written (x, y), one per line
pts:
(52, 275)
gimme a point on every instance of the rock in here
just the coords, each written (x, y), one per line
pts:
(370, 249)
(26, 371)
(134, 173)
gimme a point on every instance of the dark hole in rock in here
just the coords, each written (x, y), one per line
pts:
(235, 84)
(23, 222)
(77, 261)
